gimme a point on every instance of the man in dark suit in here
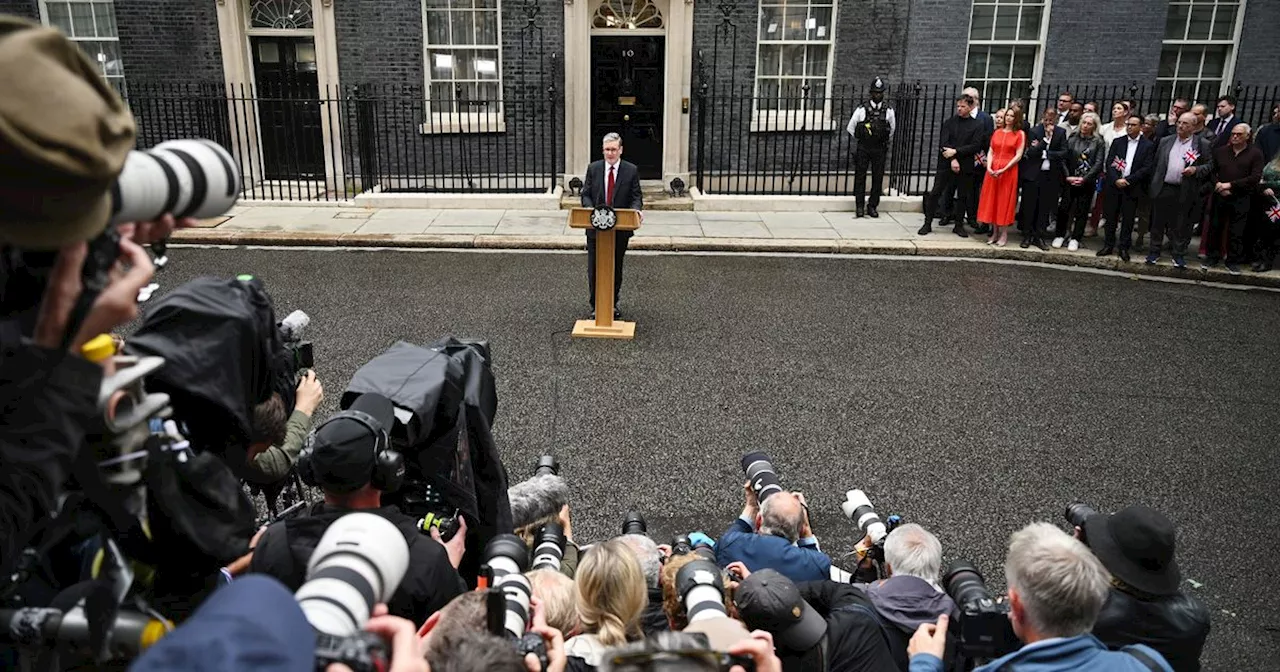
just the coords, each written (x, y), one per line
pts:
(962, 138)
(1041, 175)
(1225, 121)
(615, 183)
(988, 127)
(1129, 165)
(1169, 125)
(1183, 162)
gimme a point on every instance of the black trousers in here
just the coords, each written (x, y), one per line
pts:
(1039, 203)
(1120, 205)
(861, 161)
(1230, 214)
(943, 183)
(1077, 202)
(621, 238)
(1169, 214)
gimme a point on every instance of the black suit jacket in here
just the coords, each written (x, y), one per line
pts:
(967, 136)
(1029, 168)
(626, 186)
(1223, 135)
(1144, 161)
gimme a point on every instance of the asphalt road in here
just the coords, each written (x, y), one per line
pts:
(969, 397)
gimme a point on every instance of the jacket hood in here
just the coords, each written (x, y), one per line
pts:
(908, 601)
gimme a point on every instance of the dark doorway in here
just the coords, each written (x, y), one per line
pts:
(627, 97)
(288, 90)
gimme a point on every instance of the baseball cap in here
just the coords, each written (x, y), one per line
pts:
(64, 136)
(342, 452)
(252, 624)
(769, 601)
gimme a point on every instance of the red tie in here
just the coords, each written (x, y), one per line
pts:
(608, 193)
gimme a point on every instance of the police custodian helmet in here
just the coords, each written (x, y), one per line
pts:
(877, 86)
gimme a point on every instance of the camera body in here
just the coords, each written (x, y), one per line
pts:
(985, 629)
(1078, 512)
(362, 652)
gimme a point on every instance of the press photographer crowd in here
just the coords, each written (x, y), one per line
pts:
(158, 506)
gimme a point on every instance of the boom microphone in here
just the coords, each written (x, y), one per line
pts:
(537, 498)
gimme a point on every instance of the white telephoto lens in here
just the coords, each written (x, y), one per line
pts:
(142, 189)
(857, 507)
(215, 173)
(502, 565)
(358, 563)
(703, 602)
(518, 592)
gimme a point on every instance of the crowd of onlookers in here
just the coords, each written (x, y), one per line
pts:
(1197, 169)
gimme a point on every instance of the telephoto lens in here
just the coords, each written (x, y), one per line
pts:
(761, 474)
(507, 559)
(985, 629)
(185, 178)
(634, 523)
(701, 589)
(1079, 512)
(857, 507)
(358, 563)
(547, 466)
(964, 583)
(548, 550)
(681, 544)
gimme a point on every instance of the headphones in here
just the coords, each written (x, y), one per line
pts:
(388, 464)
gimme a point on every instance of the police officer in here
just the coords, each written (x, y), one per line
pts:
(872, 127)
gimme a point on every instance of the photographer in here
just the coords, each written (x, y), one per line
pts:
(1145, 604)
(816, 625)
(55, 195)
(1056, 590)
(540, 500)
(673, 606)
(274, 463)
(651, 558)
(557, 594)
(457, 638)
(351, 461)
(909, 598)
(774, 535)
(612, 595)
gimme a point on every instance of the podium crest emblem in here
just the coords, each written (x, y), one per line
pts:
(604, 218)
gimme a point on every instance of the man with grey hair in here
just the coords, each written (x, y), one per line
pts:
(784, 542)
(615, 183)
(1183, 162)
(651, 556)
(1056, 589)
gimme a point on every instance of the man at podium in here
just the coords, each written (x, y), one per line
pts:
(615, 183)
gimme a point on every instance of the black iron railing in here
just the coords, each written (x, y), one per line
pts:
(295, 142)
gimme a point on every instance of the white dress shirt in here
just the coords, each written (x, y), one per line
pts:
(1129, 153)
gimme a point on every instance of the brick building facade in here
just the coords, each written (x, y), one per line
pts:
(502, 95)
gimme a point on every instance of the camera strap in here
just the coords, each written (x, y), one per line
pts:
(1147, 661)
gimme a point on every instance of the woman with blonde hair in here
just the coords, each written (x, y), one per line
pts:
(611, 595)
(1085, 154)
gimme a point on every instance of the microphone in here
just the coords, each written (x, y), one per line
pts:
(537, 498)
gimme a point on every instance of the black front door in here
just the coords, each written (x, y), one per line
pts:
(288, 107)
(626, 94)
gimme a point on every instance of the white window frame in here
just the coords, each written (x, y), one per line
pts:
(119, 82)
(765, 121)
(461, 122)
(1229, 63)
(1038, 43)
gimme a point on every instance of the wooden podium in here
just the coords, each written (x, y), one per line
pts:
(604, 325)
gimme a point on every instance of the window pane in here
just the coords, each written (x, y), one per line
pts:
(984, 17)
(1168, 62)
(109, 57)
(791, 93)
(486, 28)
(441, 63)
(768, 94)
(1215, 60)
(487, 4)
(463, 30)
(1001, 62)
(1024, 62)
(1201, 18)
(438, 28)
(268, 52)
(816, 61)
(770, 18)
(977, 66)
(105, 16)
(60, 16)
(1189, 62)
(819, 24)
(82, 20)
(793, 28)
(996, 95)
(1030, 26)
(486, 64)
(1175, 26)
(792, 60)
(1006, 23)
(817, 93)
(442, 97)
(1224, 24)
(770, 60)
(436, 4)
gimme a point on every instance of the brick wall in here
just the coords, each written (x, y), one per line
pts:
(1104, 43)
(24, 8)
(937, 40)
(169, 40)
(1258, 54)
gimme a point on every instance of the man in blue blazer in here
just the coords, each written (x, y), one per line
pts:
(615, 183)
(1129, 165)
(774, 534)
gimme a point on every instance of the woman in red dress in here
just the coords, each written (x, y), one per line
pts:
(998, 204)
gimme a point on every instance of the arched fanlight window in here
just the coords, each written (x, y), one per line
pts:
(627, 15)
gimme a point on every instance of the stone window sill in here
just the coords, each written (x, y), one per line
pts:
(470, 124)
(816, 121)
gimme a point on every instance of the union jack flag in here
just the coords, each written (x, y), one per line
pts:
(1274, 213)
(978, 159)
(1118, 164)
(1190, 157)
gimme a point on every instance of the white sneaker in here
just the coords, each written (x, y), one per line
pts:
(1073, 245)
(1057, 242)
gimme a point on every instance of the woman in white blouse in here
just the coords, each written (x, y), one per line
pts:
(1119, 113)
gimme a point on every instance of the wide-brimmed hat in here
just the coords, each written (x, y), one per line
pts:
(1136, 545)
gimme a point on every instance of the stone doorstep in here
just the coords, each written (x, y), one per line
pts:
(923, 248)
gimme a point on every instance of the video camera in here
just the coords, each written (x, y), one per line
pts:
(985, 630)
(505, 560)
